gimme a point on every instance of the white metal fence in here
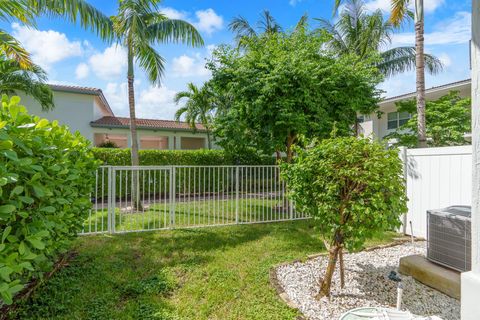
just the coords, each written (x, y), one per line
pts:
(186, 196)
(436, 178)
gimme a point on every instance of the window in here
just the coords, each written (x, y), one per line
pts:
(120, 140)
(397, 119)
(153, 142)
(192, 143)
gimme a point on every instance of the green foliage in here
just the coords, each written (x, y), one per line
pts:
(121, 157)
(108, 144)
(448, 119)
(283, 86)
(46, 176)
(351, 186)
(220, 274)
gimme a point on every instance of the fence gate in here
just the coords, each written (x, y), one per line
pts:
(129, 199)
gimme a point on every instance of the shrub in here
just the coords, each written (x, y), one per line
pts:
(353, 187)
(108, 144)
(46, 175)
(122, 157)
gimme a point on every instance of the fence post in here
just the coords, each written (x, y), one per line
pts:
(237, 192)
(109, 201)
(404, 158)
(173, 184)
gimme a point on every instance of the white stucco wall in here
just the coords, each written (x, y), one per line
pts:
(71, 109)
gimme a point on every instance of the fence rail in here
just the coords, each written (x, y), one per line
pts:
(132, 199)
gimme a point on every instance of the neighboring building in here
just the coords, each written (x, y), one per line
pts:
(390, 119)
(86, 110)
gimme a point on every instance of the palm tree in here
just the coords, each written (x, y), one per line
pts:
(25, 11)
(365, 34)
(266, 25)
(30, 80)
(399, 12)
(138, 26)
(197, 109)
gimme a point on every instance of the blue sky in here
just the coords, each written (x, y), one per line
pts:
(77, 57)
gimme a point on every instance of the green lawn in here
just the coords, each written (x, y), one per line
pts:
(209, 273)
(189, 213)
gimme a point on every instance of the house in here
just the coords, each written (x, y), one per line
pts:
(86, 110)
(390, 119)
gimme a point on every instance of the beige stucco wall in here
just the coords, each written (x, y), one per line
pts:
(71, 109)
(174, 137)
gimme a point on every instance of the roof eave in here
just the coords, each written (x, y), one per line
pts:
(121, 126)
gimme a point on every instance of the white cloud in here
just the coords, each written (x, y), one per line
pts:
(110, 63)
(189, 66)
(173, 13)
(456, 30)
(293, 3)
(208, 21)
(385, 5)
(152, 102)
(445, 59)
(47, 47)
(82, 71)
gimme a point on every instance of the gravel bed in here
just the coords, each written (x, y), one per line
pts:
(366, 284)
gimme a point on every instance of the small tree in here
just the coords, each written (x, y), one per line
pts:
(353, 187)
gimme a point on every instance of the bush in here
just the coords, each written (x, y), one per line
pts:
(353, 187)
(108, 144)
(46, 175)
(121, 157)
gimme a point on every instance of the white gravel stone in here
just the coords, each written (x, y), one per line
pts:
(366, 284)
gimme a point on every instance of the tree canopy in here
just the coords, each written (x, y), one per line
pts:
(284, 86)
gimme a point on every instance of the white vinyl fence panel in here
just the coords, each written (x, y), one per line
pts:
(436, 178)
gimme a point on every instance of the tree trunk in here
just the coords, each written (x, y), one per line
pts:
(342, 269)
(133, 133)
(290, 140)
(420, 73)
(327, 279)
(209, 141)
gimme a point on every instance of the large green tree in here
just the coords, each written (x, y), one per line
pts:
(138, 26)
(448, 120)
(284, 87)
(30, 80)
(198, 108)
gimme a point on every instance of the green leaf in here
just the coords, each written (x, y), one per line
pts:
(36, 243)
(42, 123)
(6, 232)
(5, 273)
(7, 208)
(17, 190)
(48, 209)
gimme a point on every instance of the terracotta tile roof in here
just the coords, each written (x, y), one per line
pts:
(83, 90)
(154, 124)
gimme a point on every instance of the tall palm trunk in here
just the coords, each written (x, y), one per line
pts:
(133, 132)
(209, 139)
(420, 73)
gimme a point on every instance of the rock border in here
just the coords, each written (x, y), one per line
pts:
(283, 295)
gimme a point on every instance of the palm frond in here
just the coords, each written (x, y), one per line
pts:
(76, 11)
(268, 24)
(402, 59)
(241, 28)
(12, 49)
(16, 9)
(151, 62)
(398, 11)
(173, 30)
(302, 23)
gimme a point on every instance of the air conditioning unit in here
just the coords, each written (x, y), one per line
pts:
(449, 237)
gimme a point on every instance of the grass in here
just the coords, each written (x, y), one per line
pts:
(205, 273)
(189, 213)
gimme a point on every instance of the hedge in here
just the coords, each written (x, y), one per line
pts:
(121, 157)
(46, 176)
